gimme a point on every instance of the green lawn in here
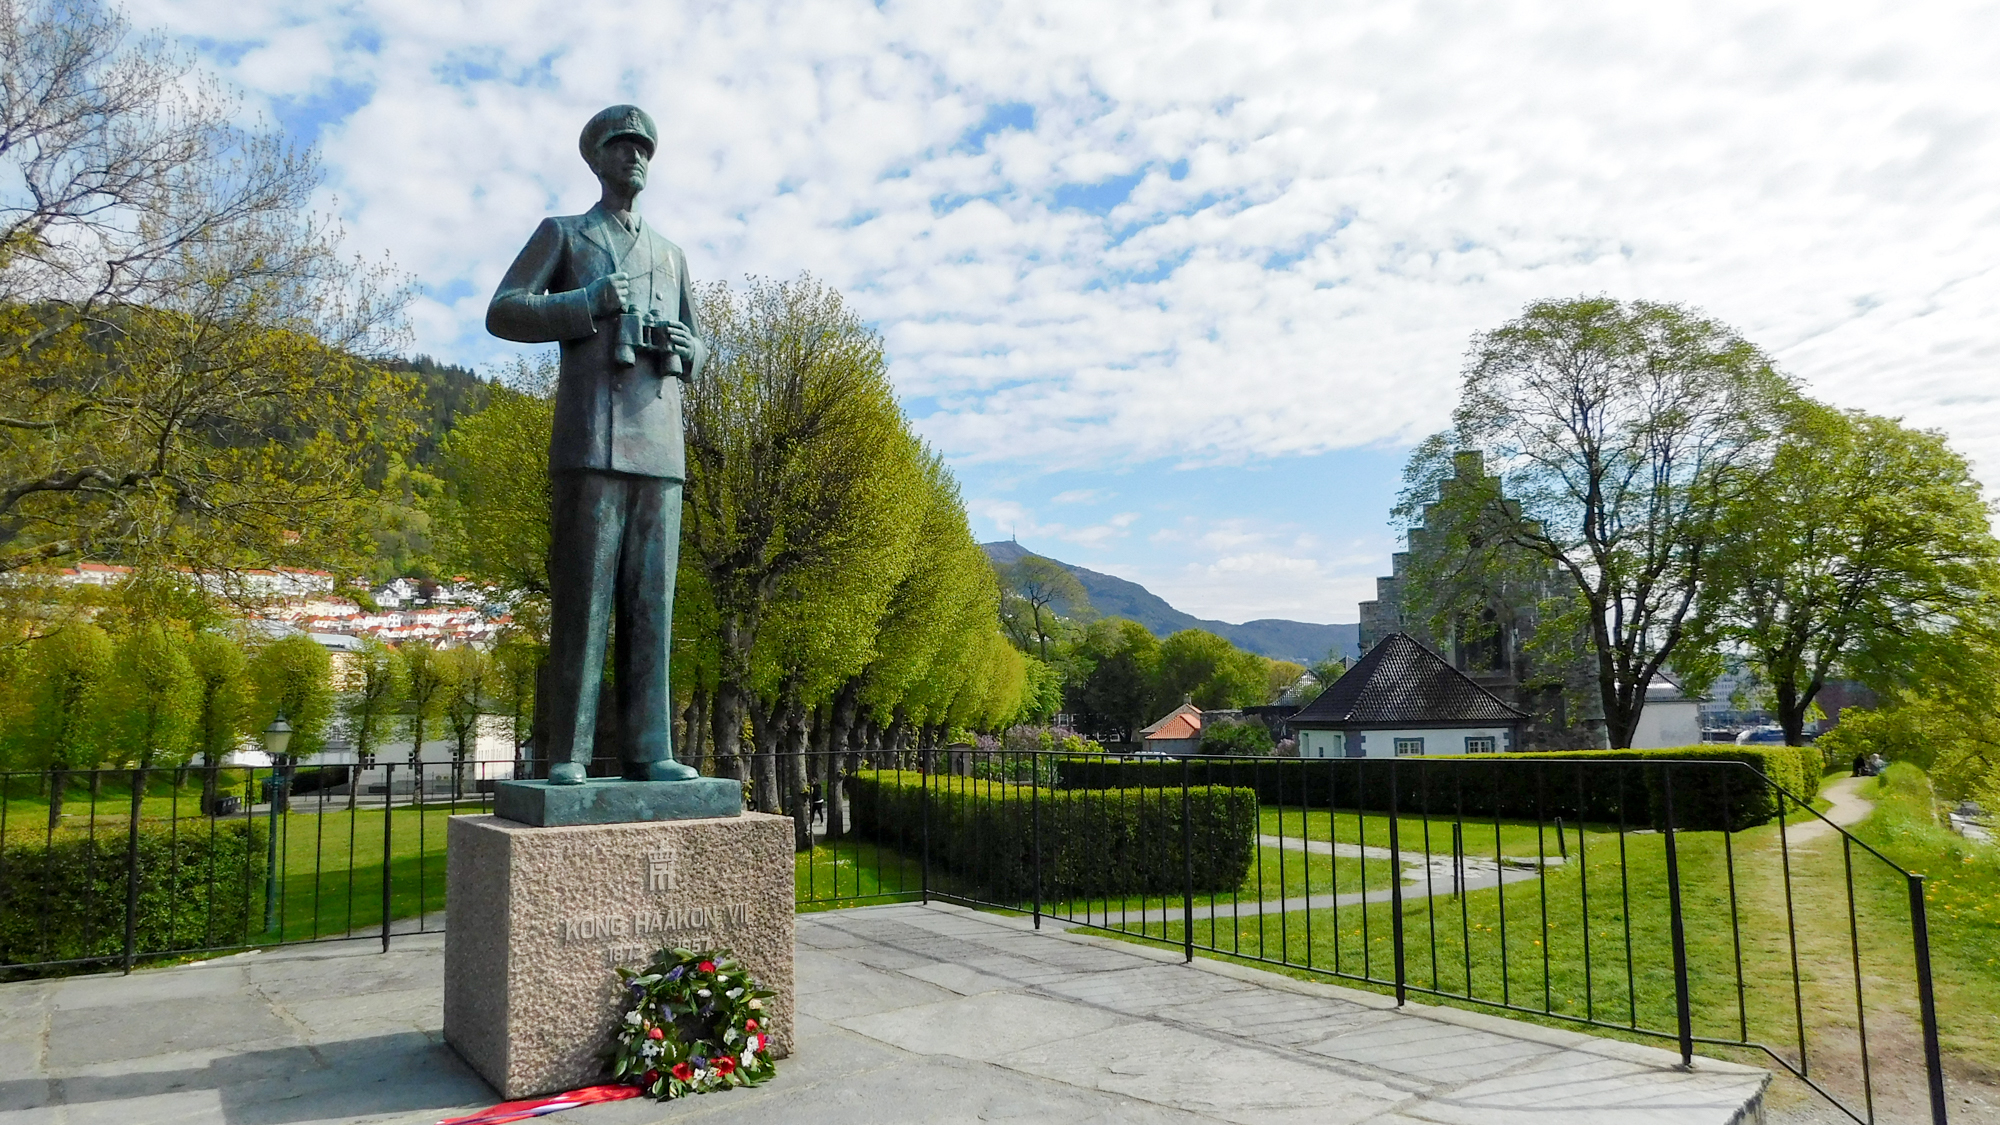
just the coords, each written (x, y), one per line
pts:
(332, 868)
(855, 873)
(1535, 946)
(25, 799)
(1416, 835)
(1962, 896)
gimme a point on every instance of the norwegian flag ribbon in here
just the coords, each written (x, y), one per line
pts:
(537, 1107)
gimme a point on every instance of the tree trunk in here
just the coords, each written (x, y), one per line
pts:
(728, 725)
(696, 746)
(538, 735)
(871, 745)
(840, 729)
(764, 765)
(1792, 707)
(210, 782)
(58, 777)
(797, 802)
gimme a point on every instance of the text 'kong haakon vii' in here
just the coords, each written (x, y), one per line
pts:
(604, 927)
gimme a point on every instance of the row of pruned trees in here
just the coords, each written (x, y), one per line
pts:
(831, 592)
(113, 690)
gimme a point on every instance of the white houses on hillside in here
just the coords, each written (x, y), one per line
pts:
(1403, 700)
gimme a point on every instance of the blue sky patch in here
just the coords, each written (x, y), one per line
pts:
(1098, 198)
(999, 118)
(305, 117)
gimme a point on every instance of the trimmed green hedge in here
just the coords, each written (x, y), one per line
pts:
(1093, 842)
(1705, 796)
(63, 898)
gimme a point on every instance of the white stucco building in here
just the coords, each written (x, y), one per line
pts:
(1670, 717)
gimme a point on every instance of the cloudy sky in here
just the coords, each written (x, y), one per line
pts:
(1176, 285)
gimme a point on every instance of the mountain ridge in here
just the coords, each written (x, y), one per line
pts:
(1275, 637)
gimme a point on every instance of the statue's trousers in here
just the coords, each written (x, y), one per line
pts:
(613, 550)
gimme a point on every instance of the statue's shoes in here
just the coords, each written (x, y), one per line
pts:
(566, 773)
(666, 769)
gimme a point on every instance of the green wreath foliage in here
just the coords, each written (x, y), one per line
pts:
(694, 1023)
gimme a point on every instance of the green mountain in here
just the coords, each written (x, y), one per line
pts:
(1279, 639)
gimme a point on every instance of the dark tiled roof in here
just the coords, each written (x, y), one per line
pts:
(1401, 681)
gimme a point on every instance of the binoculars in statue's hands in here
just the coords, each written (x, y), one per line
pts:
(637, 334)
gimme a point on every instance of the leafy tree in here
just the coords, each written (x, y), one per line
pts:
(1242, 740)
(1282, 676)
(466, 674)
(517, 662)
(1621, 433)
(69, 666)
(1044, 694)
(424, 688)
(1209, 671)
(181, 341)
(492, 521)
(1864, 551)
(293, 676)
(1325, 672)
(1954, 738)
(156, 692)
(1038, 586)
(374, 689)
(787, 434)
(1118, 691)
(221, 705)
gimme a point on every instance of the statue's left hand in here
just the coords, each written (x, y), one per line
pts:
(683, 341)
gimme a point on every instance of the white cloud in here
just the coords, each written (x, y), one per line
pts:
(1240, 569)
(1330, 198)
(1077, 496)
(1015, 520)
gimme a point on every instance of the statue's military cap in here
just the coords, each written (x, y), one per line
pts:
(617, 121)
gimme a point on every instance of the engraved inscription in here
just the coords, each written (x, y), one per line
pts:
(598, 927)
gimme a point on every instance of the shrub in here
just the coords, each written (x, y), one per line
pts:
(1093, 842)
(1595, 785)
(62, 897)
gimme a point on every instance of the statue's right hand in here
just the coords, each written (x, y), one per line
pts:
(610, 294)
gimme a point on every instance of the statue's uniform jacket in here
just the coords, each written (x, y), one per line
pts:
(621, 420)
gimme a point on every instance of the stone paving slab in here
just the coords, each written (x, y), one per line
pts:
(906, 1014)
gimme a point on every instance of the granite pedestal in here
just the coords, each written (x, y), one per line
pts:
(541, 918)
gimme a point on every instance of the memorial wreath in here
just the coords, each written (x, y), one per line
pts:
(694, 1022)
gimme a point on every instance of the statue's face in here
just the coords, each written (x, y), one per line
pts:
(621, 163)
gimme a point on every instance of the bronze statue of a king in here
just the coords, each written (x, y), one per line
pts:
(615, 295)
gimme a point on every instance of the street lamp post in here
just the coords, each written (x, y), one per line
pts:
(277, 736)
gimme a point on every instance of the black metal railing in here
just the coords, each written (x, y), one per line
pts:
(1691, 901)
(108, 868)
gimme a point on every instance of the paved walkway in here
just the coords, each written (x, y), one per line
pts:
(907, 1014)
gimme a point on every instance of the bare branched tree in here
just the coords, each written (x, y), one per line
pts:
(183, 348)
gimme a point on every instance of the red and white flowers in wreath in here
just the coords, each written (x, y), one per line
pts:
(694, 1022)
